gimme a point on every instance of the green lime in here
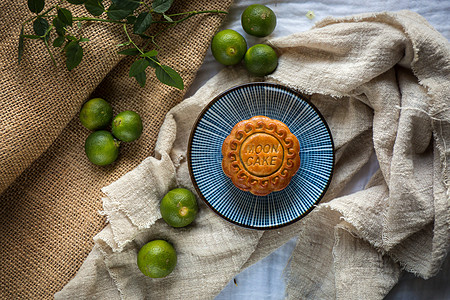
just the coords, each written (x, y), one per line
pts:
(258, 20)
(127, 126)
(157, 259)
(96, 114)
(179, 207)
(101, 148)
(228, 47)
(260, 60)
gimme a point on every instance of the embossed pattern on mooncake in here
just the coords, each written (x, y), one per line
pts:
(260, 155)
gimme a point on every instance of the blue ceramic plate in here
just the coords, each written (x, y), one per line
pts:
(307, 186)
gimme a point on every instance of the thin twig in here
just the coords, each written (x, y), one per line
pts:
(49, 51)
(129, 38)
(174, 23)
(98, 20)
(194, 12)
(135, 46)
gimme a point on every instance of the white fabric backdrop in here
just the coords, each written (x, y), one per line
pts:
(264, 280)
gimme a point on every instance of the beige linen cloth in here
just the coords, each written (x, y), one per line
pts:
(382, 82)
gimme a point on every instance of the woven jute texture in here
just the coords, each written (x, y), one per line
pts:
(50, 191)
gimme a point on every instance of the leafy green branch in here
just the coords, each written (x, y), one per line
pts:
(46, 23)
(165, 74)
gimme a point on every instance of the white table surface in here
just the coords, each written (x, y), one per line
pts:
(265, 280)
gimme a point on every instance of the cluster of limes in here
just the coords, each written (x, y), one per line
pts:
(102, 146)
(158, 258)
(229, 47)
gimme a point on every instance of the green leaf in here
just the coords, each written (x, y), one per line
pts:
(84, 40)
(123, 3)
(141, 78)
(40, 26)
(143, 35)
(59, 26)
(20, 50)
(65, 46)
(116, 13)
(169, 76)
(167, 18)
(129, 51)
(74, 55)
(65, 16)
(161, 6)
(59, 41)
(124, 44)
(131, 19)
(151, 53)
(138, 66)
(153, 61)
(95, 7)
(33, 37)
(36, 6)
(72, 38)
(120, 9)
(143, 22)
(76, 2)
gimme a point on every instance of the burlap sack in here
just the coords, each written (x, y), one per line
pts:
(50, 192)
(382, 83)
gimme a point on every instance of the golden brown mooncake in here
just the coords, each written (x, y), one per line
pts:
(260, 155)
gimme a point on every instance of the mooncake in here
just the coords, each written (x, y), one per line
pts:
(260, 155)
